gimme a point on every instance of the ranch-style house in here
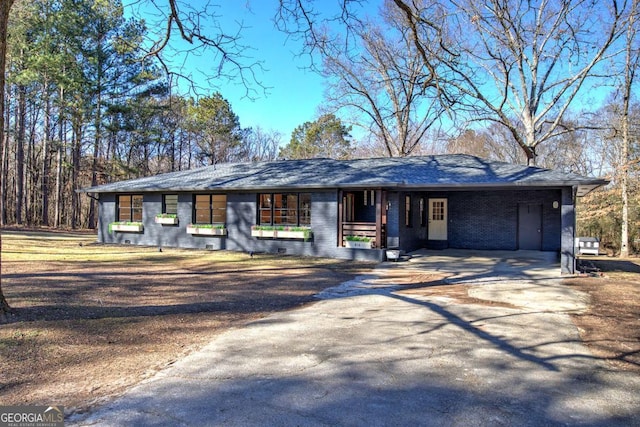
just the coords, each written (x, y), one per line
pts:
(349, 209)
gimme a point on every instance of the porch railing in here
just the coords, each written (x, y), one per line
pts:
(363, 229)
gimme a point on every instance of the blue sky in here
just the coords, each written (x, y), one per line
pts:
(293, 93)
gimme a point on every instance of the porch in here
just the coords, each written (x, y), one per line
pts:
(362, 216)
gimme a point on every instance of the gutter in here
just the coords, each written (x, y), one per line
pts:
(583, 187)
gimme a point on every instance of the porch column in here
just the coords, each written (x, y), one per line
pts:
(567, 239)
(379, 202)
(340, 216)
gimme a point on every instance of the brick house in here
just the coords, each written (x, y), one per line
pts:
(315, 207)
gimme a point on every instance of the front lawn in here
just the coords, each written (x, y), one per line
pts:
(611, 325)
(91, 320)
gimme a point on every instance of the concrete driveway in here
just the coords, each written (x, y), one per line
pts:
(370, 353)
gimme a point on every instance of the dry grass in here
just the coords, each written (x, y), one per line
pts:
(611, 325)
(91, 320)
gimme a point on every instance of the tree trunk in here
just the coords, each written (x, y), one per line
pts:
(631, 62)
(624, 240)
(75, 169)
(58, 200)
(180, 149)
(94, 162)
(22, 106)
(57, 216)
(5, 7)
(98, 132)
(46, 157)
(5, 170)
(173, 150)
(624, 180)
(31, 200)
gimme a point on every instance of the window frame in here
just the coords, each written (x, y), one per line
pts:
(213, 213)
(131, 217)
(273, 209)
(437, 211)
(304, 212)
(165, 205)
(282, 211)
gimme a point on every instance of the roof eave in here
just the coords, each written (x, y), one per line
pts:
(583, 187)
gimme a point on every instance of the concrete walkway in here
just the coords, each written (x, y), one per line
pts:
(369, 354)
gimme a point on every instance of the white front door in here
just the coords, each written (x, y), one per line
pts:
(437, 219)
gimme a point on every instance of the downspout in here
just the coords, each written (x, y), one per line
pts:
(340, 217)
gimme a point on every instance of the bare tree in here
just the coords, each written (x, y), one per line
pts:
(199, 28)
(304, 22)
(491, 143)
(262, 145)
(571, 152)
(519, 63)
(630, 66)
(383, 82)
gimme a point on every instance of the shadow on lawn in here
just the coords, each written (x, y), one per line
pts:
(83, 312)
(614, 265)
(87, 294)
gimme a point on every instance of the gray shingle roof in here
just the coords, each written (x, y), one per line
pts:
(441, 171)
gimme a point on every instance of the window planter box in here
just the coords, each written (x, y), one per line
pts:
(206, 231)
(126, 228)
(264, 233)
(355, 244)
(166, 220)
(281, 234)
(290, 234)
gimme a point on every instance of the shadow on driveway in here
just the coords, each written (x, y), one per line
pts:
(369, 355)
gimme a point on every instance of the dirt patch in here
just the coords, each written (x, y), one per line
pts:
(457, 292)
(610, 327)
(90, 320)
(426, 284)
